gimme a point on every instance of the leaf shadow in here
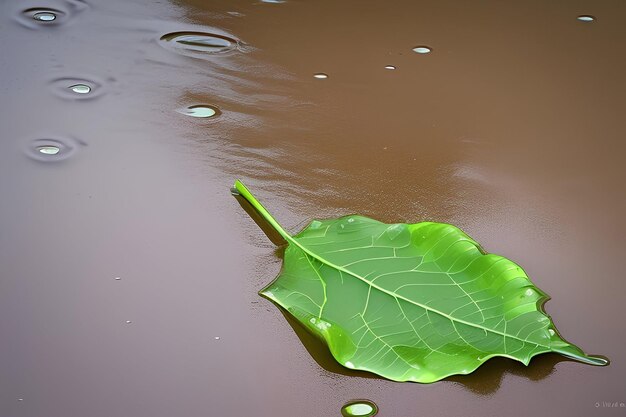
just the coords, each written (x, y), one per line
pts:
(484, 381)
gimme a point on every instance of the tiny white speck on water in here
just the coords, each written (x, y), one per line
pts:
(586, 18)
(217, 338)
(128, 322)
(422, 49)
(320, 76)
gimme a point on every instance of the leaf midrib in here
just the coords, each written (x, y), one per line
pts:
(398, 296)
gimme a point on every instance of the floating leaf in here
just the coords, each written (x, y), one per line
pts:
(410, 302)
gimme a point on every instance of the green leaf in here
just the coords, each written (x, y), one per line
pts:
(410, 302)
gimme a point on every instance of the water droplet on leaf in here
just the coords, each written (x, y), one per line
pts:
(394, 231)
(315, 224)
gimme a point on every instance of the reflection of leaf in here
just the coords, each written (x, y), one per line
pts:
(410, 302)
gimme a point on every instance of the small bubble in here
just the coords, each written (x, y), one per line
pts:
(45, 16)
(422, 49)
(80, 88)
(390, 67)
(20, 399)
(586, 18)
(217, 338)
(201, 111)
(272, 1)
(128, 322)
(118, 278)
(359, 408)
(320, 76)
(48, 150)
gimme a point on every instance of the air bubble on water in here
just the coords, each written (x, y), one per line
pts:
(359, 408)
(320, 76)
(272, 1)
(217, 338)
(198, 44)
(80, 88)
(128, 322)
(45, 16)
(390, 67)
(422, 49)
(118, 278)
(49, 150)
(586, 18)
(200, 111)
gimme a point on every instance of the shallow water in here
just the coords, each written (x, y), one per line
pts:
(129, 273)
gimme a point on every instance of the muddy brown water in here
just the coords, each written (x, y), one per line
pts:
(511, 128)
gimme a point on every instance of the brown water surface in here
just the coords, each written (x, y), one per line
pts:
(511, 128)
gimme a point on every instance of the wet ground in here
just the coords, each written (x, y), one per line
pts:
(129, 274)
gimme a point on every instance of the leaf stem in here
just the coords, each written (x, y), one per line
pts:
(241, 189)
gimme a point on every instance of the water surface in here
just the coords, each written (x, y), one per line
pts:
(123, 257)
